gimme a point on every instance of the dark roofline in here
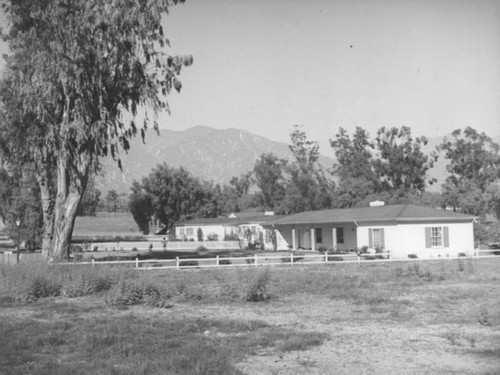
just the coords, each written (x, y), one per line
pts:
(402, 213)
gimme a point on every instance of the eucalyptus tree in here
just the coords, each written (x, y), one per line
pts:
(82, 79)
(473, 184)
(401, 164)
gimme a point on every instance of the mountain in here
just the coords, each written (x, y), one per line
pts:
(211, 154)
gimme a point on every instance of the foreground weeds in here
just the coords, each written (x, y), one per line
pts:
(112, 320)
(126, 343)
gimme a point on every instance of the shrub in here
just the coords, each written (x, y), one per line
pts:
(188, 263)
(412, 256)
(87, 281)
(199, 234)
(258, 290)
(201, 249)
(250, 260)
(335, 258)
(223, 262)
(213, 237)
(132, 292)
(231, 237)
(288, 259)
(322, 249)
(41, 287)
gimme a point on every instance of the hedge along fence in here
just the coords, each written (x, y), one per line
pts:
(156, 243)
(289, 259)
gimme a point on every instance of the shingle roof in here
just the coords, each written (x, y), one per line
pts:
(248, 218)
(399, 213)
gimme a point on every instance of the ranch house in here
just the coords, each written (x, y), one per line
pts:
(244, 225)
(402, 230)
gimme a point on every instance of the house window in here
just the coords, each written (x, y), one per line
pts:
(189, 231)
(436, 237)
(254, 229)
(340, 235)
(318, 233)
(181, 232)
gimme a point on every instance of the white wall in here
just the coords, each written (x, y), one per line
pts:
(220, 230)
(404, 239)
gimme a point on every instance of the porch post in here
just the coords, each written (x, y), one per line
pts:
(313, 239)
(294, 239)
(334, 238)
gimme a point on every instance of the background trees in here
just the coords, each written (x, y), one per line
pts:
(168, 195)
(76, 76)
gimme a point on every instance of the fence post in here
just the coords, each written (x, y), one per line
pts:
(136, 262)
(291, 258)
(256, 260)
(93, 262)
(326, 256)
(359, 259)
(177, 262)
(217, 259)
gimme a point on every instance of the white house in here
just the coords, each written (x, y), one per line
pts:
(245, 225)
(401, 229)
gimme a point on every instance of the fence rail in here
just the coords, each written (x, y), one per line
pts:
(286, 259)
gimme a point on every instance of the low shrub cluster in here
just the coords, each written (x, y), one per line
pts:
(259, 288)
(134, 292)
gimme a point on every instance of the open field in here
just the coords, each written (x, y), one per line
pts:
(439, 317)
(106, 224)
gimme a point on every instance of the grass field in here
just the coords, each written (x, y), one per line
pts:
(439, 317)
(106, 224)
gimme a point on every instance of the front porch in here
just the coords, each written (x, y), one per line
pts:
(336, 237)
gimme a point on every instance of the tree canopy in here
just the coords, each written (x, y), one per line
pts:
(78, 76)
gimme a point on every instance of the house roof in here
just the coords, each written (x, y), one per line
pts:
(242, 218)
(398, 213)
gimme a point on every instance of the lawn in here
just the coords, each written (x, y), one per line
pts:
(106, 224)
(440, 317)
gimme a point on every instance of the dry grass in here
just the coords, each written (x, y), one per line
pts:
(409, 318)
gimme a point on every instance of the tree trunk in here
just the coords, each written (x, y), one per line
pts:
(70, 189)
(65, 215)
(47, 215)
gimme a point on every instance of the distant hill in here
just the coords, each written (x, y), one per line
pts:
(211, 154)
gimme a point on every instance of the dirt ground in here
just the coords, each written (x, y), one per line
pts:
(414, 338)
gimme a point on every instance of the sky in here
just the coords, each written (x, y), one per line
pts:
(267, 65)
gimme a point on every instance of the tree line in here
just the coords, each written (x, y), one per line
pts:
(392, 167)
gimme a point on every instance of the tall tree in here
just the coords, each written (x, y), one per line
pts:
(269, 178)
(474, 171)
(306, 187)
(81, 70)
(112, 201)
(353, 167)
(401, 163)
(171, 194)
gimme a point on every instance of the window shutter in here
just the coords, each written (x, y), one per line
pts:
(446, 237)
(370, 237)
(382, 238)
(428, 241)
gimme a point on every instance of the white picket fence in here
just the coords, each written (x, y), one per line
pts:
(287, 259)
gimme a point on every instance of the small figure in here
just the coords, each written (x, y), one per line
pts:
(150, 248)
(164, 241)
